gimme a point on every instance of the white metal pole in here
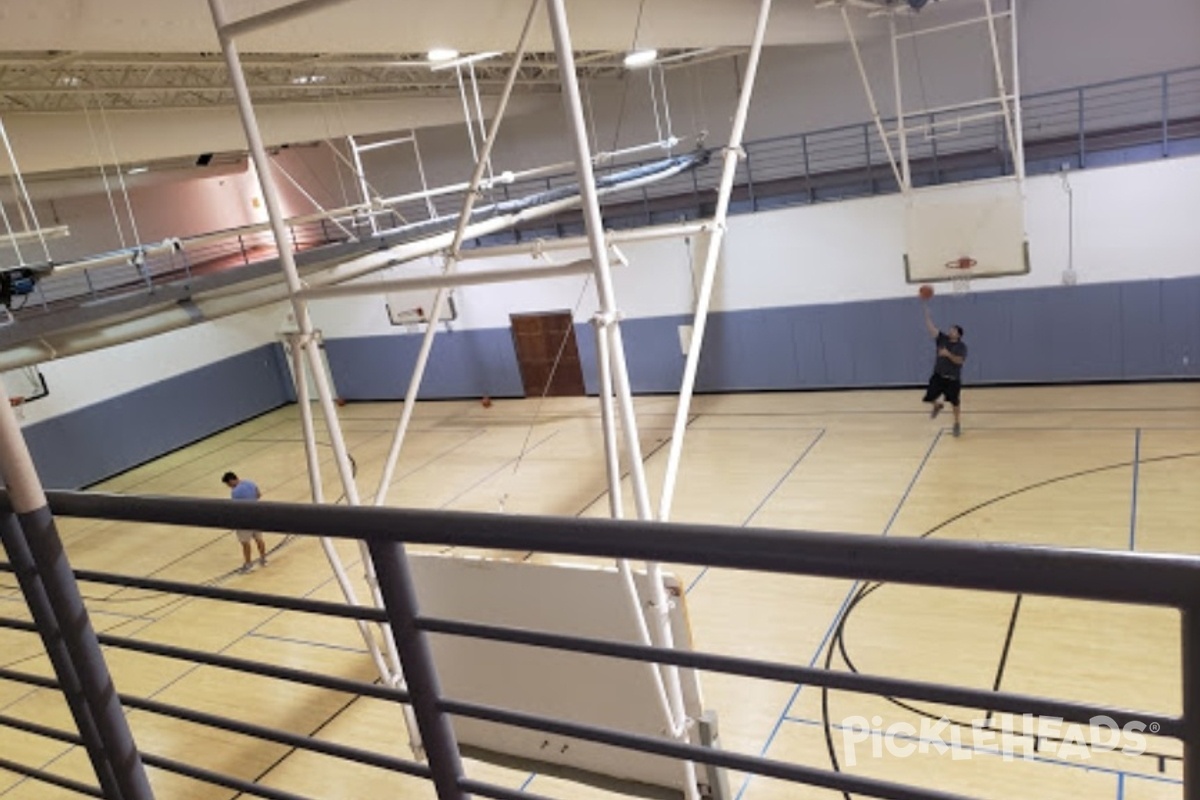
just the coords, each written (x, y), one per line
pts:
(286, 260)
(1018, 122)
(410, 398)
(862, 71)
(300, 378)
(273, 17)
(362, 182)
(599, 251)
(595, 234)
(905, 170)
(1001, 84)
(712, 256)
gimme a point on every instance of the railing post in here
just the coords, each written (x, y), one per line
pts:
(1190, 640)
(17, 550)
(399, 595)
(64, 602)
(1166, 115)
(1082, 143)
(807, 173)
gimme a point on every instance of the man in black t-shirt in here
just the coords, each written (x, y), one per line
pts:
(947, 370)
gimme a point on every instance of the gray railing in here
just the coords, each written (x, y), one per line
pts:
(1144, 117)
(1119, 578)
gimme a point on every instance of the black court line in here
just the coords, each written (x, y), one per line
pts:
(1008, 638)
(867, 590)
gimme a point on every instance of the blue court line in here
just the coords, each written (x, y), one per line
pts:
(768, 496)
(309, 642)
(841, 610)
(1054, 762)
(1121, 786)
(528, 781)
(1137, 458)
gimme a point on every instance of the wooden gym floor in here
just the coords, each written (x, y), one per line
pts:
(1104, 467)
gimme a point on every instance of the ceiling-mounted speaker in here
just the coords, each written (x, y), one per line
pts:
(204, 160)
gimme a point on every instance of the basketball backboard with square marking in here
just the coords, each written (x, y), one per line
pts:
(965, 231)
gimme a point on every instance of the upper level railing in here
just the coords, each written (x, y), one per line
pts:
(1139, 118)
(1115, 577)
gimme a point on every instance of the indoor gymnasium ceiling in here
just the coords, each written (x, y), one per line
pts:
(155, 66)
(159, 54)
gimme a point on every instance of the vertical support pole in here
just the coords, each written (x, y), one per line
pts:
(594, 226)
(1190, 640)
(66, 604)
(420, 674)
(1018, 118)
(363, 188)
(599, 252)
(262, 164)
(21, 559)
(1011, 127)
(901, 132)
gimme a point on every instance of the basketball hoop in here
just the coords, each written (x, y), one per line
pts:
(960, 271)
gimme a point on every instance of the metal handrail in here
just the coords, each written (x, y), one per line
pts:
(1162, 580)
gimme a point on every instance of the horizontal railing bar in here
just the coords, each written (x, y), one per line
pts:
(367, 613)
(217, 779)
(28, 679)
(497, 792)
(810, 776)
(258, 668)
(279, 737)
(245, 728)
(51, 778)
(1140, 578)
(843, 681)
(38, 729)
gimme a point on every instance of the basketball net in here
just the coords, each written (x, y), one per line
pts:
(960, 274)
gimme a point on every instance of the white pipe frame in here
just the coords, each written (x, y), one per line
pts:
(676, 716)
(533, 273)
(704, 298)
(862, 71)
(481, 160)
(905, 168)
(363, 188)
(306, 337)
(1001, 86)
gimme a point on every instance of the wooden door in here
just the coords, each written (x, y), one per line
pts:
(548, 354)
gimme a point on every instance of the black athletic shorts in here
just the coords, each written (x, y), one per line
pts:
(939, 386)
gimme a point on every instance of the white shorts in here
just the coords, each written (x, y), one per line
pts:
(245, 537)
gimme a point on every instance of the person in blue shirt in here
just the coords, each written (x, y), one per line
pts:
(240, 489)
(946, 380)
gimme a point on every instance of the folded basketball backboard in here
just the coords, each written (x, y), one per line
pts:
(963, 231)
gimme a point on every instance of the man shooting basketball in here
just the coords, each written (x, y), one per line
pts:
(947, 370)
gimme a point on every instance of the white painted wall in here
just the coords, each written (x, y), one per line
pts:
(80, 381)
(1132, 222)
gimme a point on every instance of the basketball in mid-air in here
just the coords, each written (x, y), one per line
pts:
(926, 292)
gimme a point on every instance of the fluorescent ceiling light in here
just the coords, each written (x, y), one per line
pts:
(302, 80)
(641, 58)
(137, 170)
(439, 54)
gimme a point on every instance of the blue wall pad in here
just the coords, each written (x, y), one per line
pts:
(470, 363)
(93, 443)
(1091, 332)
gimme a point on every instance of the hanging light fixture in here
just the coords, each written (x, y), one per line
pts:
(640, 58)
(440, 54)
